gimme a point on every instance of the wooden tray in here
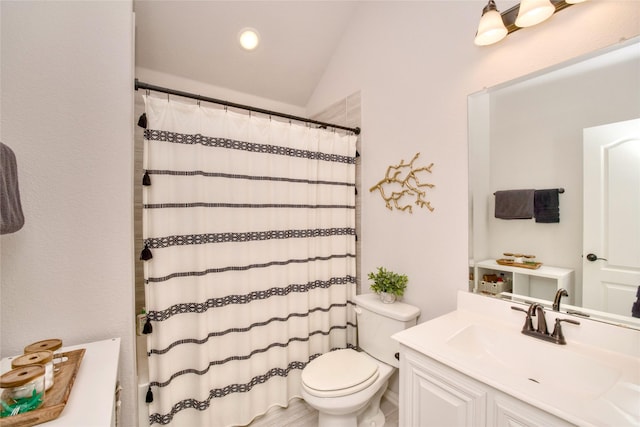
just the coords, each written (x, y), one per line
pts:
(531, 266)
(56, 397)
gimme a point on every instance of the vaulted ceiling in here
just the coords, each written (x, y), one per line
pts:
(198, 40)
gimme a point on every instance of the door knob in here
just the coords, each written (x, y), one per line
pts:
(594, 257)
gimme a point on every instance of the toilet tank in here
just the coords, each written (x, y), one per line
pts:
(378, 321)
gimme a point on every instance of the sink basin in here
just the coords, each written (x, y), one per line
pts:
(546, 364)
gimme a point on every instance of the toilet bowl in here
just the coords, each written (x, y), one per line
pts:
(346, 385)
(355, 401)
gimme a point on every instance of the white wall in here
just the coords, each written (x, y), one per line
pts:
(67, 78)
(157, 78)
(415, 64)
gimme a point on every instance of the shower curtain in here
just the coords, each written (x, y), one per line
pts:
(249, 233)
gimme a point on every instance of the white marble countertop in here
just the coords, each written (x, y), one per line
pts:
(607, 395)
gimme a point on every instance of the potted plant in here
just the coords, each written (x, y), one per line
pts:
(388, 285)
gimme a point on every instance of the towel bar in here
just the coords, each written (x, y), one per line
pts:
(560, 191)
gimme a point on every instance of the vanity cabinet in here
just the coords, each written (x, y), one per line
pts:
(542, 282)
(508, 411)
(432, 394)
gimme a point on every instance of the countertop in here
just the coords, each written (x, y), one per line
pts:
(91, 402)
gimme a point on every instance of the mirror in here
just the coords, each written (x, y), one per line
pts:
(528, 134)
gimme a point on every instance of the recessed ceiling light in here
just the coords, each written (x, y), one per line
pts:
(249, 38)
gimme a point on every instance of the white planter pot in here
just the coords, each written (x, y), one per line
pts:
(387, 298)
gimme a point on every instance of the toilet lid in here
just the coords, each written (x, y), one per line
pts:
(339, 370)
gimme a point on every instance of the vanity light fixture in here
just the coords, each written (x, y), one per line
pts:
(249, 38)
(525, 14)
(491, 28)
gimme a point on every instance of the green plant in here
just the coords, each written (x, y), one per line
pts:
(388, 281)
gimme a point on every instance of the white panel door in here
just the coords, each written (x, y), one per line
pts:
(611, 229)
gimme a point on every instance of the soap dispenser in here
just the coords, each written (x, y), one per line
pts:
(141, 319)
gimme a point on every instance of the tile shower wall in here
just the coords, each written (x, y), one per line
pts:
(347, 112)
(137, 201)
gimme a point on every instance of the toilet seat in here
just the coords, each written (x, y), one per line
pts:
(339, 373)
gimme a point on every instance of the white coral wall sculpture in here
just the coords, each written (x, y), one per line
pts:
(403, 184)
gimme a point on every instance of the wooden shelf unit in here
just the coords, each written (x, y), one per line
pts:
(541, 283)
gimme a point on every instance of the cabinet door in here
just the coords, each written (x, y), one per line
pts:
(434, 395)
(507, 411)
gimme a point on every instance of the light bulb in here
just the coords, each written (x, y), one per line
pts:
(533, 12)
(491, 28)
(249, 39)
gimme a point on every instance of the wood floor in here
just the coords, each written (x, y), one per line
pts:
(299, 414)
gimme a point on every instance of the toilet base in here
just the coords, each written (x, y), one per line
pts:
(330, 420)
(369, 416)
(372, 415)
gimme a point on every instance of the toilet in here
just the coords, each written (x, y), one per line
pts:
(346, 385)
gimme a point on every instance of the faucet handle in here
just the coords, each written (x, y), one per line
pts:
(528, 323)
(557, 334)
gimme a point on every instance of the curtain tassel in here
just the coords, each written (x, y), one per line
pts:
(147, 328)
(146, 254)
(149, 397)
(146, 179)
(142, 121)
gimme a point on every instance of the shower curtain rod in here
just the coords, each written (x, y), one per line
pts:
(147, 86)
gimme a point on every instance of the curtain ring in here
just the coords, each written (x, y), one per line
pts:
(148, 92)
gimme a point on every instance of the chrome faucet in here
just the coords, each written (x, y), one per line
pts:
(541, 330)
(562, 292)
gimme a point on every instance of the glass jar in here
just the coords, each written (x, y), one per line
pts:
(22, 390)
(44, 358)
(51, 345)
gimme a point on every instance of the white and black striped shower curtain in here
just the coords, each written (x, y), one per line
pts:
(250, 224)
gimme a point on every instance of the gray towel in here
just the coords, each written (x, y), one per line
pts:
(514, 204)
(11, 217)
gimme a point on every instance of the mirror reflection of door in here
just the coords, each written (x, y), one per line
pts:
(611, 236)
